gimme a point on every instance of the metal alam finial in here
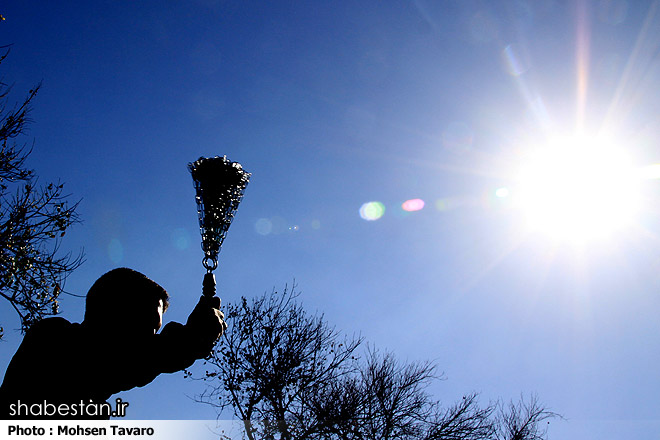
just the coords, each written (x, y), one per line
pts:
(219, 185)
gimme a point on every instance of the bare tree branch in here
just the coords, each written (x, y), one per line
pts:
(33, 220)
(523, 420)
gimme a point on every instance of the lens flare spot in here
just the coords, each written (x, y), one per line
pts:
(502, 192)
(263, 226)
(442, 204)
(180, 238)
(516, 64)
(115, 251)
(316, 224)
(371, 211)
(413, 205)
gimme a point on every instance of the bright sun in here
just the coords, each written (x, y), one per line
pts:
(577, 189)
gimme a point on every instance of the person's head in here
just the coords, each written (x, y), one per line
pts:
(126, 301)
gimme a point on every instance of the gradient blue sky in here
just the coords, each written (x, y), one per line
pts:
(333, 104)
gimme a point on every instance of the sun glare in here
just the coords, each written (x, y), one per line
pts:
(577, 189)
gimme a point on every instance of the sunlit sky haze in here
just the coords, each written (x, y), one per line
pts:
(385, 141)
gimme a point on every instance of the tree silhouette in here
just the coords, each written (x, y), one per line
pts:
(287, 374)
(33, 219)
(523, 420)
(269, 363)
(388, 399)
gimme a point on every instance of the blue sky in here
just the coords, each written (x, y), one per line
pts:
(331, 105)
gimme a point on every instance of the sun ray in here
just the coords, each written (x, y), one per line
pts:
(582, 63)
(645, 49)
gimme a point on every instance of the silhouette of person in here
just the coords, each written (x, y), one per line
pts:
(72, 369)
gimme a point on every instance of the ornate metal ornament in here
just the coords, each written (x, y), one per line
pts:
(219, 186)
